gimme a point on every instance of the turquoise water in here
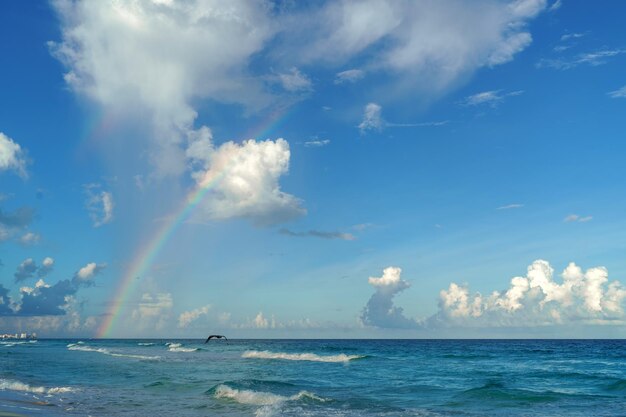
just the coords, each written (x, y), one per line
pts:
(314, 378)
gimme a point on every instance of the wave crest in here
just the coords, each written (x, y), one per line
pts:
(178, 347)
(312, 357)
(85, 348)
(260, 398)
(9, 385)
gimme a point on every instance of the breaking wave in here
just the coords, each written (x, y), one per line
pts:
(85, 348)
(9, 385)
(261, 398)
(145, 344)
(17, 342)
(178, 347)
(312, 357)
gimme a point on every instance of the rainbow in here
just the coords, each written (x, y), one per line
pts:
(146, 255)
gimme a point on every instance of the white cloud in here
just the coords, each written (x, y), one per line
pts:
(316, 143)
(99, 204)
(153, 311)
(372, 118)
(437, 40)
(12, 156)
(138, 56)
(244, 179)
(349, 76)
(47, 265)
(510, 206)
(87, 272)
(491, 98)
(556, 5)
(572, 218)
(187, 317)
(30, 238)
(295, 81)
(537, 299)
(594, 59)
(569, 36)
(380, 310)
(619, 93)
(261, 322)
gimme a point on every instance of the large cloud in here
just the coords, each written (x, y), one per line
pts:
(243, 178)
(44, 299)
(159, 57)
(12, 156)
(437, 40)
(28, 269)
(538, 299)
(380, 310)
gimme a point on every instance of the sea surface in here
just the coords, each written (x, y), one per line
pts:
(125, 378)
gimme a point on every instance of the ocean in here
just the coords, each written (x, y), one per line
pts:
(146, 378)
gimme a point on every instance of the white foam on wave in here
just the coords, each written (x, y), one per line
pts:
(85, 348)
(178, 347)
(145, 344)
(9, 385)
(312, 357)
(17, 342)
(250, 397)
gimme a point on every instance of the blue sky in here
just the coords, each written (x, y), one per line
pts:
(476, 146)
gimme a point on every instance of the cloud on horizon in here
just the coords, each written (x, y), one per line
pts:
(536, 299)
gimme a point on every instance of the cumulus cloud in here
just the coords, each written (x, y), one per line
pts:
(29, 269)
(619, 93)
(187, 317)
(491, 98)
(244, 179)
(295, 81)
(538, 299)
(153, 311)
(380, 310)
(318, 233)
(372, 118)
(260, 322)
(86, 274)
(349, 76)
(47, 265)
(25, 270)
(12, 156)
(159, 58)
(99, 204)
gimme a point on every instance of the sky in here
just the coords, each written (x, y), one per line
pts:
(386, 169)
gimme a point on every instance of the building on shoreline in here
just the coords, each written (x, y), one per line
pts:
(29, 336)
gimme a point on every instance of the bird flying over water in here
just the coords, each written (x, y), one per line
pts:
(216, 336)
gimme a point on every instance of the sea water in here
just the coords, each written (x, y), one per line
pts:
(313, 378)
